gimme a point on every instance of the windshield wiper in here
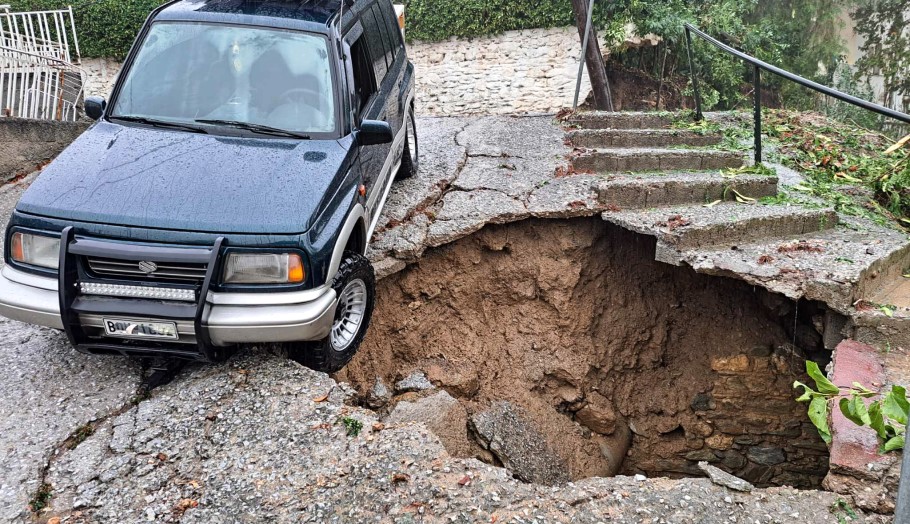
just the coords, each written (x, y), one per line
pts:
(257, 128)
(159, 123)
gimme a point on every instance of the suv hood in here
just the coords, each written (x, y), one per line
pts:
(143, 177)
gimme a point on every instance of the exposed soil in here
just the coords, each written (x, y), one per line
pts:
(576, 324)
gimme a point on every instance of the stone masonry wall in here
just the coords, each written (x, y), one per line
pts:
(25, 145)
(529, 71)
(102, 73)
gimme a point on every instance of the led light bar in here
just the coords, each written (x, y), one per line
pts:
(159, 293)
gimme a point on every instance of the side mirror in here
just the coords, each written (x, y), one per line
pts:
(95, 106)
(373, 132)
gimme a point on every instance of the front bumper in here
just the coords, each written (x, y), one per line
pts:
(228, 318)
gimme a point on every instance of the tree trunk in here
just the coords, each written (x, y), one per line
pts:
(594, 59)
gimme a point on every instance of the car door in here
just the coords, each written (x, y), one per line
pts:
(374, 159)
(364, 99)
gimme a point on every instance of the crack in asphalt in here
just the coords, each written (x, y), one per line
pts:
(71, 442)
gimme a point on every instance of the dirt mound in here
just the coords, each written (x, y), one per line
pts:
(575, 324)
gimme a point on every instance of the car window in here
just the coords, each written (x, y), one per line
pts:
(374, 42)
(386, 39)
(364, 84)
(192, 71)
(394, 31)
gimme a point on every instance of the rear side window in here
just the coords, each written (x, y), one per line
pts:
(394, 31)
(364, 85)
(386, 38)
(375, 44)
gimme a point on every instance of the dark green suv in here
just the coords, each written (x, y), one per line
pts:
(228, 190)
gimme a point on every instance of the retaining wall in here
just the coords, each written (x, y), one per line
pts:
(26, 145)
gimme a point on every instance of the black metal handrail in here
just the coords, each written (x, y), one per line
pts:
(756, 76)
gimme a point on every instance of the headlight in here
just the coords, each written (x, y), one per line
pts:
(35, 250)
(263, 268)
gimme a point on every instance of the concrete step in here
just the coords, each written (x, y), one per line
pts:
(692, 227)
(654, 159)
(620, 120)
(832, 265)
(606, 138)
(646, 191)
(884, 281)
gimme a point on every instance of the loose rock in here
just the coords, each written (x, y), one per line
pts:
(722, 478)
(416, 381)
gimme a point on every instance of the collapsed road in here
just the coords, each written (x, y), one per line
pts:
(260, 438)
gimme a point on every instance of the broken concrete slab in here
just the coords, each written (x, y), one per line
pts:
(693, 227)
(441, 159)
(463, 213)
(405, 241)
(443, 415)
(506, 432)
(833, 266)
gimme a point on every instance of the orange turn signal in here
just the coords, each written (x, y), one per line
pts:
(296, 273)
(17, 250)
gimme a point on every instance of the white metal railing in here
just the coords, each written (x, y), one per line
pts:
(39, 77)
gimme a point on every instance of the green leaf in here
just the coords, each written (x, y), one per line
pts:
(808, 393)
(876, 420)
(894, 405)
(818, 414)
(893, 443)
(855, 410)
(825, 386)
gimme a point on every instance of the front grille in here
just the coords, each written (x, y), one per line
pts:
(130, 270)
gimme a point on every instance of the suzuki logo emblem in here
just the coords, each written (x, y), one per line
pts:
(148, 267)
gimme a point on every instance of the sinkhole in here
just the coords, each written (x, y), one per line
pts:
(562, 350)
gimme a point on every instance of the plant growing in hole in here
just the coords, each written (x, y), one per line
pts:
(887, 414)
(352, 425)
(843, 511)
(41, 498)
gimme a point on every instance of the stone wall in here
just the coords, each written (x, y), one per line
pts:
(102, 73)
(25, 145)
(525, 71)
(529, 71)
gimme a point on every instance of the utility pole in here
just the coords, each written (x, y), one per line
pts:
(594, 59)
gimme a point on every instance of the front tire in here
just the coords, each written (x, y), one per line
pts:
(409, 157)
(355, 286)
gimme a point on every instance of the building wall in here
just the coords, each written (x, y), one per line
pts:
(529, 71)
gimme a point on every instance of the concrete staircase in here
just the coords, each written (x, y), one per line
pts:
(683, 189)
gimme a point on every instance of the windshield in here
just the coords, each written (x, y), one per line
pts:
(186, 72)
